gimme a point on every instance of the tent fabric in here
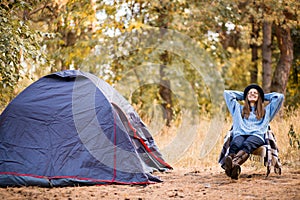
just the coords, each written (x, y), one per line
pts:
(72, 128)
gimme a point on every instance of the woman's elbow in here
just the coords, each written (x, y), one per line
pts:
(280, 96)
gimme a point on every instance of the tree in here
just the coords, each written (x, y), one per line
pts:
(20, 48)
(276, 19)
(19, 44)
(68, 28)
(254, 45)
(282, 71)
(162, 21)
(279, 16)
(267, 55)
(92, 36)
(293, 90)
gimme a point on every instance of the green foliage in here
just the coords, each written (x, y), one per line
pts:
(72, 33)
(293, 88)
(73, 37)
(19, 45)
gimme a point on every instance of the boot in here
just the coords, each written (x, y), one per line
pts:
(229, 164)
(237, 161)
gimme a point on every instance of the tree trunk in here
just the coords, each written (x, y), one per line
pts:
(284, 64)
(165, 86)
(267, 56)
(254, 50)
(165, 89)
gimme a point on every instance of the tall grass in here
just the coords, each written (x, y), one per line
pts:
(289, 156)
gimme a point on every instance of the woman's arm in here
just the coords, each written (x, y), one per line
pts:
(231, 98)
(275, 100)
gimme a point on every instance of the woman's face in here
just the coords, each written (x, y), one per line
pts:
(252, 95)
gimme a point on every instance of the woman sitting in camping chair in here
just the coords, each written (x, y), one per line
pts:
(250, 123)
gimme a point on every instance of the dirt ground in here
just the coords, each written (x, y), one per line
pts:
(207, 183)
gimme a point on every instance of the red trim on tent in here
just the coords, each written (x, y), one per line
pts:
(142, 141)
(146, 147)
(115, 148)
(74, 177)
(17, 174)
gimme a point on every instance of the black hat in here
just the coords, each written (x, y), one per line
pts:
(255, 86)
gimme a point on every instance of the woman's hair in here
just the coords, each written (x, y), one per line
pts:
(259, 108)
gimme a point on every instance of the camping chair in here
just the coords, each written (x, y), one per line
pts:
(267, 152)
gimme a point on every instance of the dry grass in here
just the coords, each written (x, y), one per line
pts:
(191, 157)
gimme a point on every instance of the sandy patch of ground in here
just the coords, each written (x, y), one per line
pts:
(208, 183)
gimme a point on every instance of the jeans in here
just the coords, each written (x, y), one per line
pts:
(247, 143)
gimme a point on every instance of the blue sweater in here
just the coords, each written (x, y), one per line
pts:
(251, 126)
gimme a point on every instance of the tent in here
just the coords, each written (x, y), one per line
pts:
(72, 128)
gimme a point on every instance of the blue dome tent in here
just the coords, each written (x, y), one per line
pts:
(72, 128)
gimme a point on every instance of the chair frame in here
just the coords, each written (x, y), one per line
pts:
(268, 152)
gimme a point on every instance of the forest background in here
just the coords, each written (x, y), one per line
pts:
(163, 56)
(247, 42)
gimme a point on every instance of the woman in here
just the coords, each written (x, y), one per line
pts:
(250, 123)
